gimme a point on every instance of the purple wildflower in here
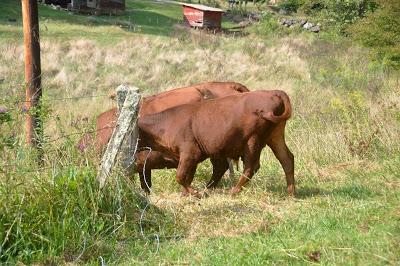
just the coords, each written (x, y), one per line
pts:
(3, 110)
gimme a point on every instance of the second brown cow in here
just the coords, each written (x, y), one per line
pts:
(237, 126)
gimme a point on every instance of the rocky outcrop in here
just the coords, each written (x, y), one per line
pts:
(291, 22)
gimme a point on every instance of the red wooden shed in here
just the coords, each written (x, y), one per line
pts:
(202, 16)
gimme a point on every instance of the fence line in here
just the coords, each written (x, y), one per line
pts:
(58, 99)
(52, 100)
(55, 99)
(79, 133)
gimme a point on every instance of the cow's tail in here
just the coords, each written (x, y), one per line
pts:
(287, 109)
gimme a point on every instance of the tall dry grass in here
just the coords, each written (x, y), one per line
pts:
(344, 104)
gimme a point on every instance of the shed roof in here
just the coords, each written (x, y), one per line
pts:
(203, 7)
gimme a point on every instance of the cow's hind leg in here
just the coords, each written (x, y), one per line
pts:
(285, 157)
(251, 163)
(219, 168)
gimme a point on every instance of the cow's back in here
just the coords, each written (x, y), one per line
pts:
(159, 103)
(190, 94)
(223, 123)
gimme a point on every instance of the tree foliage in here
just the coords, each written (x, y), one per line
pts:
(380, 30)
(339, 12)
(291, 5)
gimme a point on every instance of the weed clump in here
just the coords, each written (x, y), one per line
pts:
(67, 217)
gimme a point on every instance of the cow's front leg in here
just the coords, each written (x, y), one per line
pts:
(184, 175)
(219, 168)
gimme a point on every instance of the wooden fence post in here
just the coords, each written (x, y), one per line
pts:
(34, 127)
(124, 138)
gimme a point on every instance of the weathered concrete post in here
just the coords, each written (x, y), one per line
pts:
(128, 147)
(124, 138)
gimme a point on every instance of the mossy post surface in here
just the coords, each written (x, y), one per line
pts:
(124, 138)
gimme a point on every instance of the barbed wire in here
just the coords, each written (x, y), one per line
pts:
(29, 171)
(33, 96)
(58, 166)
(79, 133)
(56, 99)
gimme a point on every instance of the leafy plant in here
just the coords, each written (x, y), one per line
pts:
(338, 12)
(7, 138)
(380, 30)
(269, 25)
(291, 5)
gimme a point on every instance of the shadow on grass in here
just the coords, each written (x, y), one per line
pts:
(154, 221)
(353, 191)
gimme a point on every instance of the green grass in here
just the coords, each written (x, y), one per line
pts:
(345, 135)
(354, 220)
(140, 17)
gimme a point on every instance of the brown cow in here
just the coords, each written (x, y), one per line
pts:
(230, 127)
(106, 121)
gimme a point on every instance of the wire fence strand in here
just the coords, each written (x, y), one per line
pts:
(57, 99)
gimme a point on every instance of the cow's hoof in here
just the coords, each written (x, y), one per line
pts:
(185, 193)
(211, 187)
(235, 191)
(191, 192)
(206, 193)
(291, 191)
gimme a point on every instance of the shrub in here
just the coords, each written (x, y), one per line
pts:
(311, 6)
(348, 11)
(269, 25)
(339, 12)
(380, 30)
(291, 5)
